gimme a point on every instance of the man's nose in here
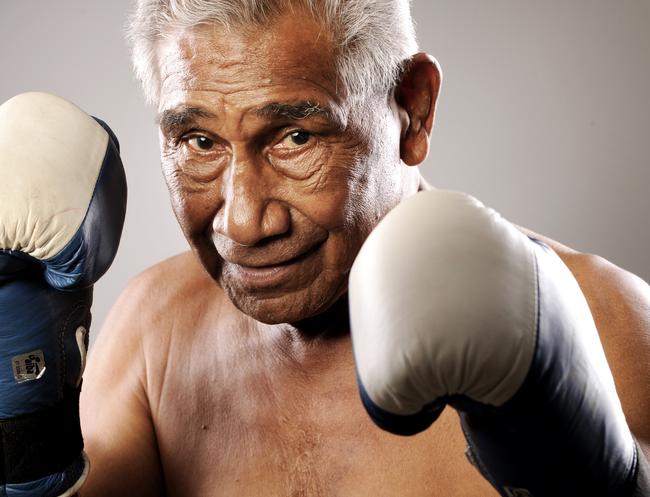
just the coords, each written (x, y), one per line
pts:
(249, 213)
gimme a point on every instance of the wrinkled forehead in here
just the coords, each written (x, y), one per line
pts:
(293, 49)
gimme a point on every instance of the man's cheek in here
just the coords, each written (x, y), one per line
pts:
(177, 195)
(327, 211)
(193, 204)
(329, 204)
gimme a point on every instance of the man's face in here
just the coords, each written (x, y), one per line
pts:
(275, 178)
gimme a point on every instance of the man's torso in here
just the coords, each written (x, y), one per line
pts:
(238, 408)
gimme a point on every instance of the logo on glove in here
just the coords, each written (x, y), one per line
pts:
(28, 367)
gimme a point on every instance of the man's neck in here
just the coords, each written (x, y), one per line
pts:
(313, 342)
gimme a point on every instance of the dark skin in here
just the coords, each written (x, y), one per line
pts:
(253, 188)
(247, 387)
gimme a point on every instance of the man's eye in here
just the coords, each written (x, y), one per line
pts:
(295, 139)
(200, 143)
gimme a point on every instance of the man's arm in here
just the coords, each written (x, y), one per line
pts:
(115, 415)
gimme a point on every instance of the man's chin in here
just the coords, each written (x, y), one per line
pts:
(272, 310)
(276, 309)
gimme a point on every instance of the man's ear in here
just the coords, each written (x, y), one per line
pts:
(416, 96)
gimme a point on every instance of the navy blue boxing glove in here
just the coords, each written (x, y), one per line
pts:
(62, 207)
(452, 305)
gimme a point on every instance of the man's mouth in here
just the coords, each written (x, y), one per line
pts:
(267, 276)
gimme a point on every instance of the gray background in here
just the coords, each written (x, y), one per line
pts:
(544, 115)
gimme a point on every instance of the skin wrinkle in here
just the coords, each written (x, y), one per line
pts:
(317, 185)
(253, 55)
(300, 440)
(278, 246)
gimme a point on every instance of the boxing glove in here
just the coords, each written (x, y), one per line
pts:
(452, 305)
(62, 206)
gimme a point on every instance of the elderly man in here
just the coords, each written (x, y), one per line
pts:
(289, 130)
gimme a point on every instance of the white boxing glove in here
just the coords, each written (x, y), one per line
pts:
(452, 305)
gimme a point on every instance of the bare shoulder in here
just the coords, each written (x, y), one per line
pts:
(125, 370)
(620, 304)
(155, 289)
(158, 315)
(174, 272)
(168, 292)
(619, 299)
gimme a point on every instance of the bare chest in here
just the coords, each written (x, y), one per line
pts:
(264, 433)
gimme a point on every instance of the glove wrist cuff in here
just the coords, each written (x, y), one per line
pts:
(43, 443)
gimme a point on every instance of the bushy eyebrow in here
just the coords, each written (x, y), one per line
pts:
(294, 111)
(172, 119)
(179, 117)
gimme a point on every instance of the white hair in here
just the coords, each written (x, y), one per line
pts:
(374, 38)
